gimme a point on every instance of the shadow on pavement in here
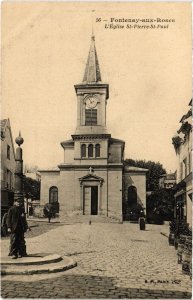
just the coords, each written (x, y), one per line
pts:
(83, 286)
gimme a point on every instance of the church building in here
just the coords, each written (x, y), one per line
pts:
(92, 179)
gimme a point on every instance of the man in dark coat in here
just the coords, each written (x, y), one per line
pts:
(48, 211)
(17, 226)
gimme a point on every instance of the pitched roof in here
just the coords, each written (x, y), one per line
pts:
(91, 177)
(67, 143)
(3, 126)
(92, 71)
(5, 123)
(113, 140)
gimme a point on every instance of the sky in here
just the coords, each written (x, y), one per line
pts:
(44, 51)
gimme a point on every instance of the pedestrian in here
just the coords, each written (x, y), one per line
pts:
(48, 211)
(17, 226)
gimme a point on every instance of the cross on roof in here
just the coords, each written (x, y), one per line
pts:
(91, 170)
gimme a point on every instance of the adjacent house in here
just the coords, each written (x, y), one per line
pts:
(7, 163)
(167, 181)
(183, 146)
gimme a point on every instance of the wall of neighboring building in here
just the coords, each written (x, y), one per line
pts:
(183, 148)
(189, 202)
(184, 158)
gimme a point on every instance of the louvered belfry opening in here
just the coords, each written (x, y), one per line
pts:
(90, 117)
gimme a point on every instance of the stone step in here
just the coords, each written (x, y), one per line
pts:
(32, 259)
(87, 219)
(64, 264)
(66, 219)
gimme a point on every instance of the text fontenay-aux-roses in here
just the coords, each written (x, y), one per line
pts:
(137, 23)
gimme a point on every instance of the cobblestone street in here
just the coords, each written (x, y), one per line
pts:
(114, 261)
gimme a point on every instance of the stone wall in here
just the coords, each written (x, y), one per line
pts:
(115, 194)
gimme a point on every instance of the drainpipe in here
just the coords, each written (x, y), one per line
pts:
(107, 191)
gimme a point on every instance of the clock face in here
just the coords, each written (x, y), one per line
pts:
(91, 102)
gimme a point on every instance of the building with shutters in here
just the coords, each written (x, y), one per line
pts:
(183, 147)
(92, 179)
(167, 181)
(8, 163)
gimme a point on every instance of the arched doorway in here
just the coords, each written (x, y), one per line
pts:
(132, 196)
(131, 207)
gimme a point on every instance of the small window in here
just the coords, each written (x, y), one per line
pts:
(8, 179)
(8, 152)
(190, 162)
(185, 167)
(90, 150)
(97, 150)
(83, 150)
(53, 197)
(181, 171)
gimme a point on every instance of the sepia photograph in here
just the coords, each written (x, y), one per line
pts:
(96, 150)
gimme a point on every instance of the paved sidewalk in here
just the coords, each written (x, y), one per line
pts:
(114, 261)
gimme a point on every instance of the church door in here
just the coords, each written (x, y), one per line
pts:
(87, 197)
(94, 200)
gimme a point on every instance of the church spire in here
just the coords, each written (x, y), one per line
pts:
(92, 71)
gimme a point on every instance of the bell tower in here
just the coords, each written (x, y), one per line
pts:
(92, 97)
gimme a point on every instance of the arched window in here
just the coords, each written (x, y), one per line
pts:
(97, 150)
(90, 150)
(132, 196)
(53, 194)
(83, 150)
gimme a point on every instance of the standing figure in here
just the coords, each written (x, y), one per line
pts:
(48, 211)
(17, 226)
(142, 221)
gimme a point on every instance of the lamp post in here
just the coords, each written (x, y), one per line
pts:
(18, 195)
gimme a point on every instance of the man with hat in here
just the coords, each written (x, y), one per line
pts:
(17, 226)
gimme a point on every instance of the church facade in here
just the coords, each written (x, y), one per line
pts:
(92, 180)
